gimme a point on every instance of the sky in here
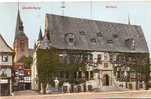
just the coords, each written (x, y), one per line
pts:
(33, 15)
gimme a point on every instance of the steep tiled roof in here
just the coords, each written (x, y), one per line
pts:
(83, 34)
(4, 47)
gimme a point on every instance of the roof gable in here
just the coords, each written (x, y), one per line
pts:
(4, 47)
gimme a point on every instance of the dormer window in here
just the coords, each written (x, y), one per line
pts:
(99, 34)
(133, 44)
(109, 41)
(70, 38)
(115, 36)
(82, 33)
(130, 42)
(93, 40)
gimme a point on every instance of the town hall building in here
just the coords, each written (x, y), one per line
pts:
(118, 53)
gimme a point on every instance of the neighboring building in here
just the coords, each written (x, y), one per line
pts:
(6, 64)
(42, 43)
(22, 51)
(114, 50)
(22, 77)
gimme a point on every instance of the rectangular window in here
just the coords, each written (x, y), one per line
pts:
(22, 44)
(4, 58)
(80, 74)
(87, 74)
(91, 74)
(105, 56)
(99, 58)
(67, 74)
(85, 59)
(90, 57)
(111, 58)
(61, 75)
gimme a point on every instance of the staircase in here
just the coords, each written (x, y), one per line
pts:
(114, 87)
(108, 88)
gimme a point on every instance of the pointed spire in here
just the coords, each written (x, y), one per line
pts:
(63, 7)
(19, 23)
(40, 35)
(129, 20)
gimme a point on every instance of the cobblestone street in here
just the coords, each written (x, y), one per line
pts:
(87, 95)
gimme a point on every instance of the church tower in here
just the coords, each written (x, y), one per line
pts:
(20, 40)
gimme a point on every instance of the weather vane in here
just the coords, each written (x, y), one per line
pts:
(63, 7)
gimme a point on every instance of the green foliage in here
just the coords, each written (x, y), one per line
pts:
(27, 62)
(47, 61)
(138, 63)
(48, 65)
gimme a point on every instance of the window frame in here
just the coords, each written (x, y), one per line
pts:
(4, 58)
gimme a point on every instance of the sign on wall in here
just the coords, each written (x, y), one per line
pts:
(3, 81)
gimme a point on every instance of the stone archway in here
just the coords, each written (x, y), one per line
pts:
(106, 80)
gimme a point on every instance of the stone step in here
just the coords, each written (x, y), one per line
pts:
(109, 88)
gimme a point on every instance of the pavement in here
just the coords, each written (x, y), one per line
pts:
(25, 92)
(84, 95)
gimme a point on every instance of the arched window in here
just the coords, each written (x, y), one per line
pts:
(22, 45)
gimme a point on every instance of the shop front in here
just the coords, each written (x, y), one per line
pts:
(5, 81)
(4, 87)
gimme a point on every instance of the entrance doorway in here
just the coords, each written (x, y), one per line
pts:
(106, 80)
(89, 87)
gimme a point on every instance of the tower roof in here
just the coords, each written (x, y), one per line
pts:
(40, 35)
(19, 22)
(19, 32)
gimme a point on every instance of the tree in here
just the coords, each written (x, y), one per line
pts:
(49, 65)
(27, 62)
(47, 61)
